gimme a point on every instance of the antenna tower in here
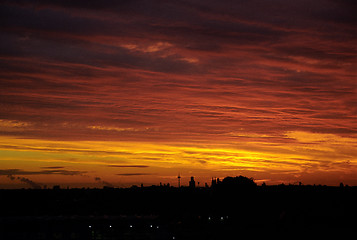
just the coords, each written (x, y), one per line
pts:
(179, 180)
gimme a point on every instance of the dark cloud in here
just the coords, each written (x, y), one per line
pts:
(107, 184)
(128, 166)
(29, 182)
(133, 174)
(53, 167)
(12, 172)
(11, 177)
(64, 150)
(25, 180)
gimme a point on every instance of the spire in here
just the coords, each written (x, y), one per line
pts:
(179, 180)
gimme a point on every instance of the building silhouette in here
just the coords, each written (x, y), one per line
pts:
(192, 183)
(214, 182)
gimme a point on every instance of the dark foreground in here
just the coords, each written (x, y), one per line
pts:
(173, 213)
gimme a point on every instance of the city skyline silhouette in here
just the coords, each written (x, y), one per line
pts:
(163, 211)
(189, 119)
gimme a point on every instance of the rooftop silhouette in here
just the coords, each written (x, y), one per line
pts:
(187, 212)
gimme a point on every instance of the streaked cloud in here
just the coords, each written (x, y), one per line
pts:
(52, 167)
(128, 166)
(132, 174)
(41, 172)
(267, 89)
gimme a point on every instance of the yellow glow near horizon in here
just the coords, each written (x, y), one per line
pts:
(311, 152)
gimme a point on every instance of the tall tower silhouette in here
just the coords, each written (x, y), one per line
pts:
(192, 183)
(179, 180)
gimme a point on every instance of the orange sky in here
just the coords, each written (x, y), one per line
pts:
(129, 92)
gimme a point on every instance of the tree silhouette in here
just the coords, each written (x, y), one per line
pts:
(238, 182)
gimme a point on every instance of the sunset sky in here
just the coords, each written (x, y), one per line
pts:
(96, 93)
